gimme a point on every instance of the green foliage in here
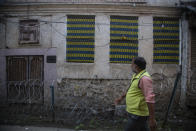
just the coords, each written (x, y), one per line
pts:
(79, 127)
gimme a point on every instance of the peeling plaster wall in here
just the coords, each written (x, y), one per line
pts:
(2, 35)
(102, 68)
(12, 32)
(2, 79)
(164, 77)
(3, 90)
(171, 3)
(97, 84)
(185, 60)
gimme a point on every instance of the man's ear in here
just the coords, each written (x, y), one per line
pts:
(137, 67)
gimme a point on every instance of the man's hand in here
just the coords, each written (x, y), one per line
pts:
(117, 101)
(152, 121)
(152, 124)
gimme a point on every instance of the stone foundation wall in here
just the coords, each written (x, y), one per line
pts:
(78, 100)
(100, 94)
(96, 93)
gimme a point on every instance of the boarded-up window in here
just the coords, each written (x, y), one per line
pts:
(123, 38)
(80, 38)
(29, 32)
(193, 48)
(166, 40)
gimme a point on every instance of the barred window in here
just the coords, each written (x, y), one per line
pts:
(123, 38)
(29, 32)
(80, 38)
(166, 40)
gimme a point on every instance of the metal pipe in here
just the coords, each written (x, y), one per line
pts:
(171, 98)
(52, 100)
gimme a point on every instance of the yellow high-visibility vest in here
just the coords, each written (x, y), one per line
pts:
(135, 100)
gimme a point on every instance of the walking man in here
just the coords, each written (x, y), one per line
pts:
(139, 99)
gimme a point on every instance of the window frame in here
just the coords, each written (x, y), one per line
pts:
(32, 28)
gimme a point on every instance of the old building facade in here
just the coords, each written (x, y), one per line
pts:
(85, 47)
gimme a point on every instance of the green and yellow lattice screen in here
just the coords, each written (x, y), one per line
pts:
(166, 40)
(80, 38)
(123, 38)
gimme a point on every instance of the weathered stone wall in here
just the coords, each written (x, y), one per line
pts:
(96, 93)
(101, 93)
(12, 32)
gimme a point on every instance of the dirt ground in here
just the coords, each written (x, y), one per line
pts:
(96, 124)
(177, 120)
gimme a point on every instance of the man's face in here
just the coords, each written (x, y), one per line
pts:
(133, 67)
